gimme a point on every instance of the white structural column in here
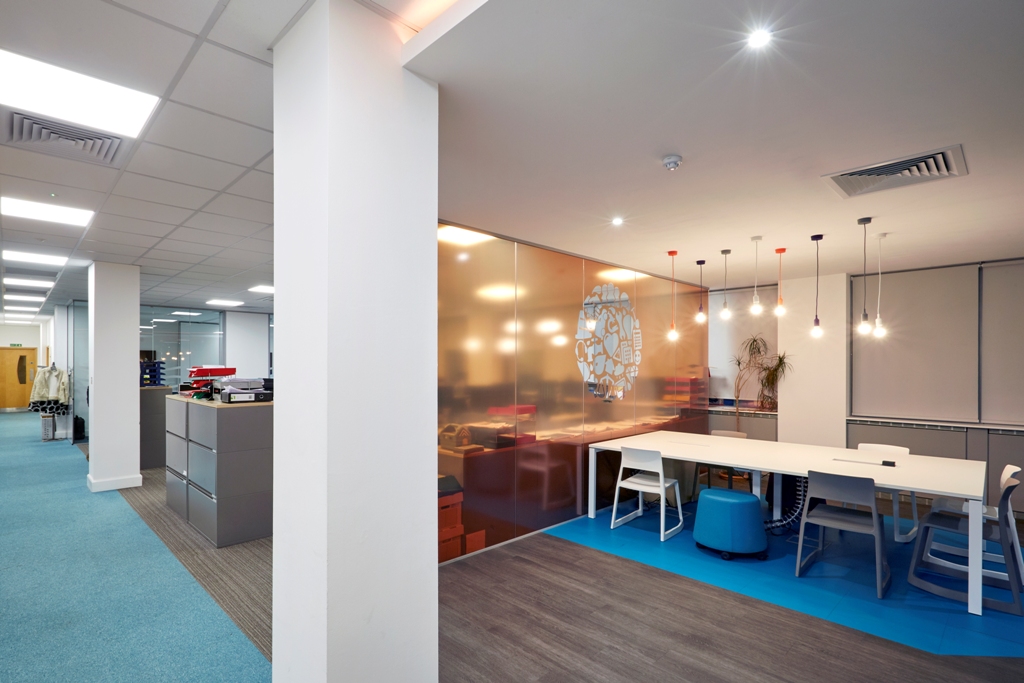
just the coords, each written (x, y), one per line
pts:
(355, 155)
(814, 397)
(59, 357)
(247, 343)
(113, 377)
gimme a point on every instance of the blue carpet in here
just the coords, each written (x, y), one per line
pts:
(840, 587)
(87, 591)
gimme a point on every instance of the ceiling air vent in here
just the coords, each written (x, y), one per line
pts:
(42, 135)
(920, 168)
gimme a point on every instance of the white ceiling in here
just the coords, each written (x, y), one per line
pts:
(555, 117)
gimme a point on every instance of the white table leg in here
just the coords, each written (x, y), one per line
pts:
(777, 496)
(755, 482)
(974, 555)
(592, 485)
(579, 481)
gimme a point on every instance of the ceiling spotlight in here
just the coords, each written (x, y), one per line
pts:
(617, 221)
(672, 161)
(759, 38)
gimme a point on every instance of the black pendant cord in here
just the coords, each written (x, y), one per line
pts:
(817, 270)
(865, 274)
(878, 307)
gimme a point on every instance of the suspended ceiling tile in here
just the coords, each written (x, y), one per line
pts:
(219, 271)
(267, 234)
(224, 224)
(250, 257)
(204, 237)
(97, 39)
(255, 185)
(49, 169)
(267, 164)
(154, 270)
(235, 265)
(105, 257)
(195, 131)
(242, 207)
(125, 238)
(146, 211)
(162, 191)
(189, 247)
(183, 167)
(31, 239)
(38, 191)
(228, 84)
(42, 229)
(190, 15)
(112, 248)
(250, 26)
(173, 267)
(255, 245)
(176, 256)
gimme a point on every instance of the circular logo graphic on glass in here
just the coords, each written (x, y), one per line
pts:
(608, 343)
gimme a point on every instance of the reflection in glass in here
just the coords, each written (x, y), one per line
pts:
(181, 338)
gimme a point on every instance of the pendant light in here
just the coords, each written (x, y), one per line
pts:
(780, 310)
(672, 334)
(865, 326)
(879, 327)
(816, 331)
(701, 316)
(755, 306)
(726, 313)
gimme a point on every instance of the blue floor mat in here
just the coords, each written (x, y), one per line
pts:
(87, 591)
(839, 587)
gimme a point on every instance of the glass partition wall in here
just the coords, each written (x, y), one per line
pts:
(181, 338)
(541, 353)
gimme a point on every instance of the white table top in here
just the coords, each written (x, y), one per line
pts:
(920, 473)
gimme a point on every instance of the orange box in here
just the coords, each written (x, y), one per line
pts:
(449, 549)
(450, 532)
(476, 541)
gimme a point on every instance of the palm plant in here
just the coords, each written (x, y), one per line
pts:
(755, 360)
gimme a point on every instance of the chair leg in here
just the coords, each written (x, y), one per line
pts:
(800, 547)
(696, 480)
(679, 506)
(662, 514)
(898, 535)
(883, 575)
(640, 504)
(615, 503)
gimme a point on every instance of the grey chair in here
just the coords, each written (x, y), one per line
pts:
(895, 452)
(730, 471)
(824, 487)
(1000, 530)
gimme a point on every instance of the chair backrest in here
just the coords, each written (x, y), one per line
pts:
(1006, 519)
(841, 488)
(1005, 491)
(883, 448)
(726, 432)
(641, 459)
(1008, 472)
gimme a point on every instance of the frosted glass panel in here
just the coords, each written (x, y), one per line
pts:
(926, 367)
(1002, 328)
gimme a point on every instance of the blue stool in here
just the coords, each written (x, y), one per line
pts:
(729, 521)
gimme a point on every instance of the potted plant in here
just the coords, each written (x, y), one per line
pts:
(755, 360)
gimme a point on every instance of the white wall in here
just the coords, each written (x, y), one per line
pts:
(725, 336)
(355, 155)
(59, 355)
(814, 397)
(113, 377)
(247, 343)
(26, 335)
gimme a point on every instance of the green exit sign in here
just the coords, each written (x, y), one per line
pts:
(15, 344)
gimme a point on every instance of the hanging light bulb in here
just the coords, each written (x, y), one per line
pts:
(672, 334)
(755, 307)
(865, 325)
(726, 313)
(701, 316)
(816, 330)
(879, 327)
(780, 310)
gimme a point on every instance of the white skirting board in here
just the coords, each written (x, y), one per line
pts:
(128, 482)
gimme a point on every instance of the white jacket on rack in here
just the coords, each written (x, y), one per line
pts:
(51, 385)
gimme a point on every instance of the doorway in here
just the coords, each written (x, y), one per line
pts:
(17, 373)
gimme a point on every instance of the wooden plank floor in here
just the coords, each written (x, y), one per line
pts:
(544, 609)
(237, 577)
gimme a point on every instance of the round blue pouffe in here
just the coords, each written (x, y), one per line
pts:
(730, 522)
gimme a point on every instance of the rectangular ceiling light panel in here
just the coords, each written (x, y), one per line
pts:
(262, 289)
(25, 257)
(49, 90)
(23, 297)
(223, 302)
(51, 213)
(21, 282)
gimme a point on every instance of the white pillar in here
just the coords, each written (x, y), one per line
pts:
(113, 377)
(355, 155)
(247, 343)
(814, 397)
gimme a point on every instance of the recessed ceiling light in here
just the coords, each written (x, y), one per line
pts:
(460, 236)
(621, 275)
(21, 208)
(498, 292)
(18, 315)
(17, 322)
(146, 327)
(759, 38)
(223, 302)
(26, 257)
(163, 320)
(21, 282)
(49, 90)
(21, 308)
(23, 297)
(185, 313)
(262, 289)
(616, 221)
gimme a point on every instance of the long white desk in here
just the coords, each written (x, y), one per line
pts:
(922, 474)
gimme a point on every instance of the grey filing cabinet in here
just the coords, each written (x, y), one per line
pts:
(152, 421)
(220, 467)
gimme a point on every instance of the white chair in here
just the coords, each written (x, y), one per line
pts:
(991, 513)
(546, 465)
(651, 480)
(895, 451)
(729, 471)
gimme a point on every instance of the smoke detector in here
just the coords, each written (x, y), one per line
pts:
(672, 161)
